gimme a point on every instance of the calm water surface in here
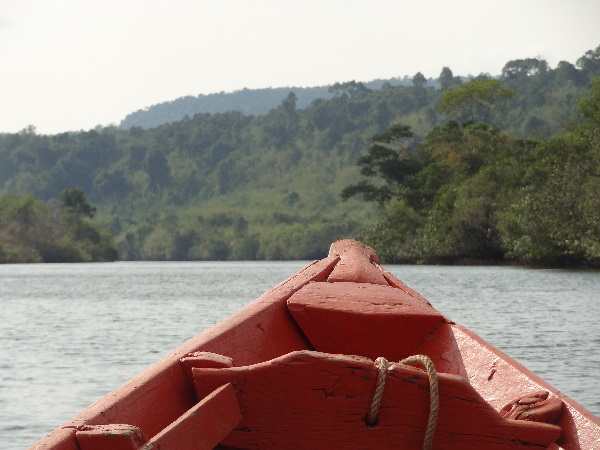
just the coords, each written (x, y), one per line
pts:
(71, 333)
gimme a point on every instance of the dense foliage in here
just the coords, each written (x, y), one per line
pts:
(472, 192)
(235, 186)
(34, 231)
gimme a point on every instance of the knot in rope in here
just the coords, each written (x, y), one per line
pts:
(382, 366)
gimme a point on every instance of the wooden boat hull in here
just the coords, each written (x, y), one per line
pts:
(295, 369)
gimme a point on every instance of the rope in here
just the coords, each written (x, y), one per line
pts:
(434, 397)
(434, 405)
(382, 365)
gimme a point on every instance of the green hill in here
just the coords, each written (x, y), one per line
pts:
(254, 102)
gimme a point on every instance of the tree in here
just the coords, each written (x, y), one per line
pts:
(158, 169)
(281, 124)
(590, 106)
(447, 79)
(419, 80)
(33, 231)
(590, 63)
(385, 160)
(476, 100)
(351, 88)
(420, 92)
(74, 201)
(565, 72)
(520, 68)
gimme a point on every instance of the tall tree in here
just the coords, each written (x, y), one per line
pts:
(519, 68)
(74, 201)
(419, 80)
(387, 161)
(590, 62)
(447, 79)
(476, 100)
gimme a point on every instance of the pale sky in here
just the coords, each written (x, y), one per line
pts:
(69, 65)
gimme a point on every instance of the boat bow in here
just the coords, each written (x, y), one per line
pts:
(296, 368)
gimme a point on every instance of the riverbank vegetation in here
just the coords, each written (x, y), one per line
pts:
(465, 169)
(33, 231)
(470, 192)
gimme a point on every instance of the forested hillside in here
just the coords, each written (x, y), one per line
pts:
(470, 193)
(232, 185)
(546, 97)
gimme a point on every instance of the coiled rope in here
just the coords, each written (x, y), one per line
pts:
(434, 405)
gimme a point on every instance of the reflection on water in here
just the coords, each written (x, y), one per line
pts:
(72, 333)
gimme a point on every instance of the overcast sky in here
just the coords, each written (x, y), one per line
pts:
(68, 65)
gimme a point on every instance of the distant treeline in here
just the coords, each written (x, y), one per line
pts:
(253, 102)
(546, 96)
(233, 185)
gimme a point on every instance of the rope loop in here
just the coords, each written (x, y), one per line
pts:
(382, 366)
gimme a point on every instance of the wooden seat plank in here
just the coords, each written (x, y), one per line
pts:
(203, 426)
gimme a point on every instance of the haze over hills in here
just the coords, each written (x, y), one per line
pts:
(247, 101)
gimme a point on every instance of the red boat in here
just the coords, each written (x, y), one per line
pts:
(340, 355)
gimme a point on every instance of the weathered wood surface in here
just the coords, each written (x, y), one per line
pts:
(363, 319)
(310, 399)
(110, 437)
(203, 426)
(203, 359)
(500, 379)
(357, 264)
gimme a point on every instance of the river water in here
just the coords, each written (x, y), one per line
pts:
(70, 333)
